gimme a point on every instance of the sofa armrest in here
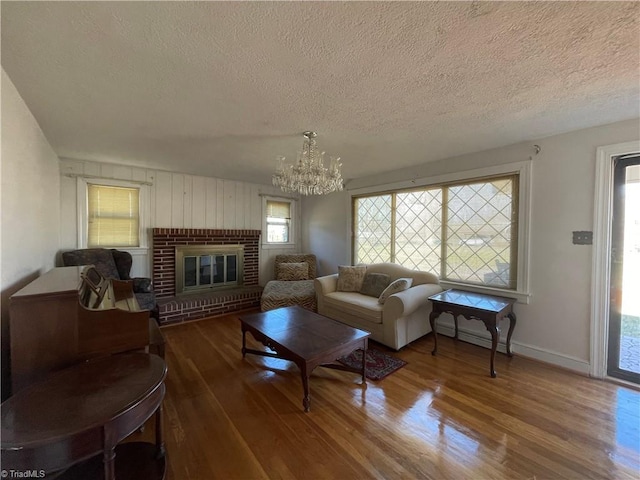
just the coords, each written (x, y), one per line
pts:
(325, 285)
(142, 285)
(406, 302)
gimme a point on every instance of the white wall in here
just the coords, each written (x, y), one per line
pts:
(177, 200)
(554, 326)
(325, 230)
(29, 204)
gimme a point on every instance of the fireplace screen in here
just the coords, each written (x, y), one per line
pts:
(208, 267)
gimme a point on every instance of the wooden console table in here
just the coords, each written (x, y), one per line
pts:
(82, 413)
(474, 306)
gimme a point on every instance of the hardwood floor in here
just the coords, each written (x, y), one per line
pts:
(438, 417)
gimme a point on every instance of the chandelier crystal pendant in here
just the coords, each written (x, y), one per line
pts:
(309, 176)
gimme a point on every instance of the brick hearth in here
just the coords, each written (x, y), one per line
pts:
(174, 308)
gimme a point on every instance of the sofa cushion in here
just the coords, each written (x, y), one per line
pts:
(350, 278)
(396, 271)
(146, 300)
(356, 304)
(399, 285)
(293, 271)
(279, 293)
(374, 284)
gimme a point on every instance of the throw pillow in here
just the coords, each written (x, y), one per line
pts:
(293, 271)
(399, 285)
(374, 284)
(350, 278)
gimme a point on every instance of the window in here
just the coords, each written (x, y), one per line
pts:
(113, 218)
(466, 231)
(278, 221)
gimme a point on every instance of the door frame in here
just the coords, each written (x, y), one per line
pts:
(601, 262)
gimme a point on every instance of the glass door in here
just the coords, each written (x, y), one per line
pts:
(624, 318)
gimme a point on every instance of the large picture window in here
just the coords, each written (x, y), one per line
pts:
(465, 232)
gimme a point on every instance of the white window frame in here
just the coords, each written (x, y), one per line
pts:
(522, 293)
(293, 225)
(83, 211)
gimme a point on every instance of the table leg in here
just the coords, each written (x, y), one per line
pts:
(244, 342)
(160, 449)
(512, 326)
(364, 362)
(108, 459)
(432, 320)
(306, 402)
(455, 323)
(495, 335)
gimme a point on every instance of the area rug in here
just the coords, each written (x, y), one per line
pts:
(379, 364)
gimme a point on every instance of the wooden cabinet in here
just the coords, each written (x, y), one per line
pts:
(43, 326)
(50, 329)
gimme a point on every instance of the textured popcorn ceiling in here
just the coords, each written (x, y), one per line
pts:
(221, 88)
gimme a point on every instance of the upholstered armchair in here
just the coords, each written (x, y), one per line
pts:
(293, 284)
(115, 264)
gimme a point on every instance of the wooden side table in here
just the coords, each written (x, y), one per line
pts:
(474, 306)
(84, 411)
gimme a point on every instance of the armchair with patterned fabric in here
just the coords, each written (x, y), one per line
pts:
(116, 264)
(293, 284)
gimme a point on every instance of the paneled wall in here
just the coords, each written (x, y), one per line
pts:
(176, 200)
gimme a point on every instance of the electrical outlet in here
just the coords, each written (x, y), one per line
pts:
(582, 238)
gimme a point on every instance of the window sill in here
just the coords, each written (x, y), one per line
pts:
(521, 297)
(282, 246)
(131, 250)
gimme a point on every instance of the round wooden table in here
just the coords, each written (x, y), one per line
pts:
(84, 411)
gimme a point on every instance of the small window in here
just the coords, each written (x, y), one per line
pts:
(278, 221)
(113, 216)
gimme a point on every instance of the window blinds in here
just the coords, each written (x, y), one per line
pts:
(278, 209)
(114, 216)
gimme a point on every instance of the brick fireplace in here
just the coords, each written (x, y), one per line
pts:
(178, 308)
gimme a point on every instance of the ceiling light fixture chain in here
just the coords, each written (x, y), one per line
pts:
(309, 176)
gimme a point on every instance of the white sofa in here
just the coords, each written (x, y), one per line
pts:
(403, 318)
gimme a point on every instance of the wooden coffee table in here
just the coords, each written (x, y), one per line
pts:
(305, 338)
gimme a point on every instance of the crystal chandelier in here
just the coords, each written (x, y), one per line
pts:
(309, 176)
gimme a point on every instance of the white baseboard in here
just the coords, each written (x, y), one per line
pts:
(536, 353)
(472, 337)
